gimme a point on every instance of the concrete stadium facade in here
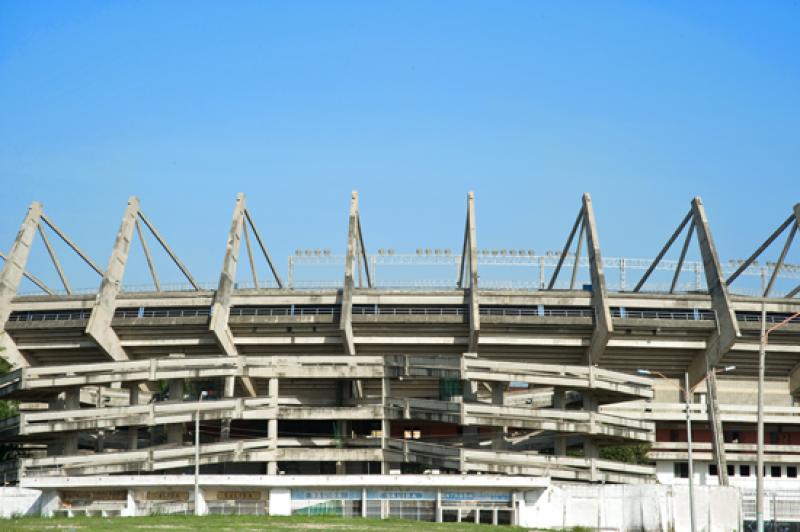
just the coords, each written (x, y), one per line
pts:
(364, 380)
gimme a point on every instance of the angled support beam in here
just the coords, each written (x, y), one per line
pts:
(250, 258)
(151, 266)
(346, 320)
(92, 264)
(54, 258)
(781, 259)
(603, 325)
(169, 251)
(796, 290)
(10, 277)
(474, 294)
(727, 330)
(721, 340)
(578, 249)
(220, 308)
(346, 317)
(663, 251)
(682, 258)
(764, 246)
(99, 325)
(263, 248)
(567, 246)
(32, 278)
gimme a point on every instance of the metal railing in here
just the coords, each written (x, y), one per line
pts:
(164, 313)
(687, 315)
(286, 311)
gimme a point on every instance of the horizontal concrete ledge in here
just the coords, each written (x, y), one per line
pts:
(289, 481)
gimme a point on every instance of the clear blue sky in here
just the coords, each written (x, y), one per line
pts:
(529, 104)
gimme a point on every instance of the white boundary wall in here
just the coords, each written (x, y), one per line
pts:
(20, 501)
(627, 507)
(537, 503)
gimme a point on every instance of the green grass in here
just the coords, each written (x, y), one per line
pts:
(227, 522)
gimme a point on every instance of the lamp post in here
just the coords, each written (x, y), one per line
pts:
(203, 394)
(762, 355)
(687, 399)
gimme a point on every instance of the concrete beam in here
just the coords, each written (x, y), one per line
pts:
(474, 300)
(10, 277)
(220, 308)
(603, 326)
(346, 320)
(99, 325)
(727, 330)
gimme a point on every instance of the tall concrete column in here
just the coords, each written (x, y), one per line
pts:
(175, 430)
(386, 427)
(133, 432)
(100, 441)
(559, 403)
(225, 424)
(498, 433)
(717, 431)
(272, 425)
(342, 428)
(590, 449)
(72, 401)
(470, 395)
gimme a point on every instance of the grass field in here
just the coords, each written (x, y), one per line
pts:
(220, 523)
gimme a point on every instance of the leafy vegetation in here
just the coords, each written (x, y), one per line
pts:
(630, 454)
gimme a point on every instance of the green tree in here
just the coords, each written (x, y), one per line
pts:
(7, 409)
(630, 454)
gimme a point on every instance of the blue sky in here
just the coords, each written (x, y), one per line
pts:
(529, 104)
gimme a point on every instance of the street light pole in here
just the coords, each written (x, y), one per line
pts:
(687, 398)
(197, 455)
(689, 447)
(762, 354)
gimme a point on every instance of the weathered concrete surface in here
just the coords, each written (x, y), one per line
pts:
(631, 508)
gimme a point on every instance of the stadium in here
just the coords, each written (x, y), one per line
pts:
(460, 400)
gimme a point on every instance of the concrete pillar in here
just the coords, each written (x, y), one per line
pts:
(438, 506)
(225, 424)
(559, 403)
(386, 427)
(72, 401)
(343, 427)
(590, 449)
(272, 425)
(498, 433)
(470, 395)
(100, 441)
(133, 432)
(175, 430)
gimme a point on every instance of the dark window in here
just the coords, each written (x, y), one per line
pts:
(712, 470)
(731, 471)
(773, 438)
(673, 435)
(681, 470)
(791, 471)
(744, 470)
(775, 471)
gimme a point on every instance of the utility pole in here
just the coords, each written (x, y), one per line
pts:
(197, 455)
(689, 444)
(762, 355)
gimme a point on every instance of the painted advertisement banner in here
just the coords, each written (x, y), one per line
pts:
(401, 494)
(325, 495)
